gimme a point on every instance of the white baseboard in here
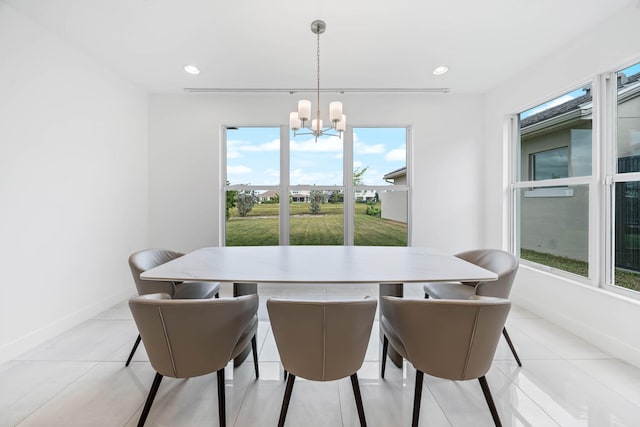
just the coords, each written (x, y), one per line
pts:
(33, 339)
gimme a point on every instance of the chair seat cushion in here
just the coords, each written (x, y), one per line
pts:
(196, 290)
(449, 290)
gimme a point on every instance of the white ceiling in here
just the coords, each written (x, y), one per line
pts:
(262, 44)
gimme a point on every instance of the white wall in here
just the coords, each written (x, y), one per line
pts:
(184, 135)
(600, 317)
(73, 184)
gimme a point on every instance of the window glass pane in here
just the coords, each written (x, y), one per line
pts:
(550, 164)
(252, 219)
(554, 227)
(380, 156)
(555, 138)
(627, 235)
(318, 163)
(253, 156)
(316, 217)
(381, 218)
(628, 126)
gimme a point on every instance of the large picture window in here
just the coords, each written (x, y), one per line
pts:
(296, 191)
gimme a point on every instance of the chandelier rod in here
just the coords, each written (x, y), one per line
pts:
(318, 31)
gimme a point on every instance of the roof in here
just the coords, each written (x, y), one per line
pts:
(572, 105)
(396, 173)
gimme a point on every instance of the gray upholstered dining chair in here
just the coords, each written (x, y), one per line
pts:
(459, 344)
(189, 337)
(322, 341)
(141, 261)
(503, 263)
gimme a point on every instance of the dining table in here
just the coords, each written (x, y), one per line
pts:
(388, 266)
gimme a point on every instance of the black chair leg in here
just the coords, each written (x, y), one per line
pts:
(217, 295)
(385, 348)
(222, 414)
(489, 399)
(287, 398)
(426, 295)
(150, 397)
(417, 398)
(133, 350)
(358, 396)
(513, 349)
(254, 348)
(285, 374)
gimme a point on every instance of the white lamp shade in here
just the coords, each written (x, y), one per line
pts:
(294, 121)
(304, 109)
(335, 111)
(316, 125)
(341, 125)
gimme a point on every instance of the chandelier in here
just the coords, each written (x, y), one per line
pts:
(300, 119)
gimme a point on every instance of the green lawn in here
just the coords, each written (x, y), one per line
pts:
(260, 227)
(623, 278)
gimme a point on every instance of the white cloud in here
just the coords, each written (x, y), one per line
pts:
(238, 145)
(324, 145)
(302, 177)
(357, 164)
(239, 170)
(362, 148)
(233, 155)
(396, 155)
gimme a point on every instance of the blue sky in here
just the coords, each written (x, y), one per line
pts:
(253, 156)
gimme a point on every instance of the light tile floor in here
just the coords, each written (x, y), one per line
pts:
(79, 379)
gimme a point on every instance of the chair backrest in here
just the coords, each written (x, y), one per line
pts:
(144, 260)
(190, 337)
(322, 340)
(503, 263)
(453, 339)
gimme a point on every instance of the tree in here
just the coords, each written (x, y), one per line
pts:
(231, 201)
(244, 202)
(316, 198)
(358, 173)
(336, 197)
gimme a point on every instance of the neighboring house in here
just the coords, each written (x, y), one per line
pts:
(557, 143)
(300, 196)
(267, 196)
(394, 204)
(365, 196)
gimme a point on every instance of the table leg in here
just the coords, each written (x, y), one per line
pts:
(394, 290)
(238, 290)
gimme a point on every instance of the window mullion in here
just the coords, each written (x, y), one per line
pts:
(347, 181)
(284, 186)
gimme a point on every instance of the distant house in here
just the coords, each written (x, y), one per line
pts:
(365, 196)
(267, 196)
(300, 196)
(394, 204)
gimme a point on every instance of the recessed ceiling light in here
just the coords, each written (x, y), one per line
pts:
(440, 70)
(191, 69)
